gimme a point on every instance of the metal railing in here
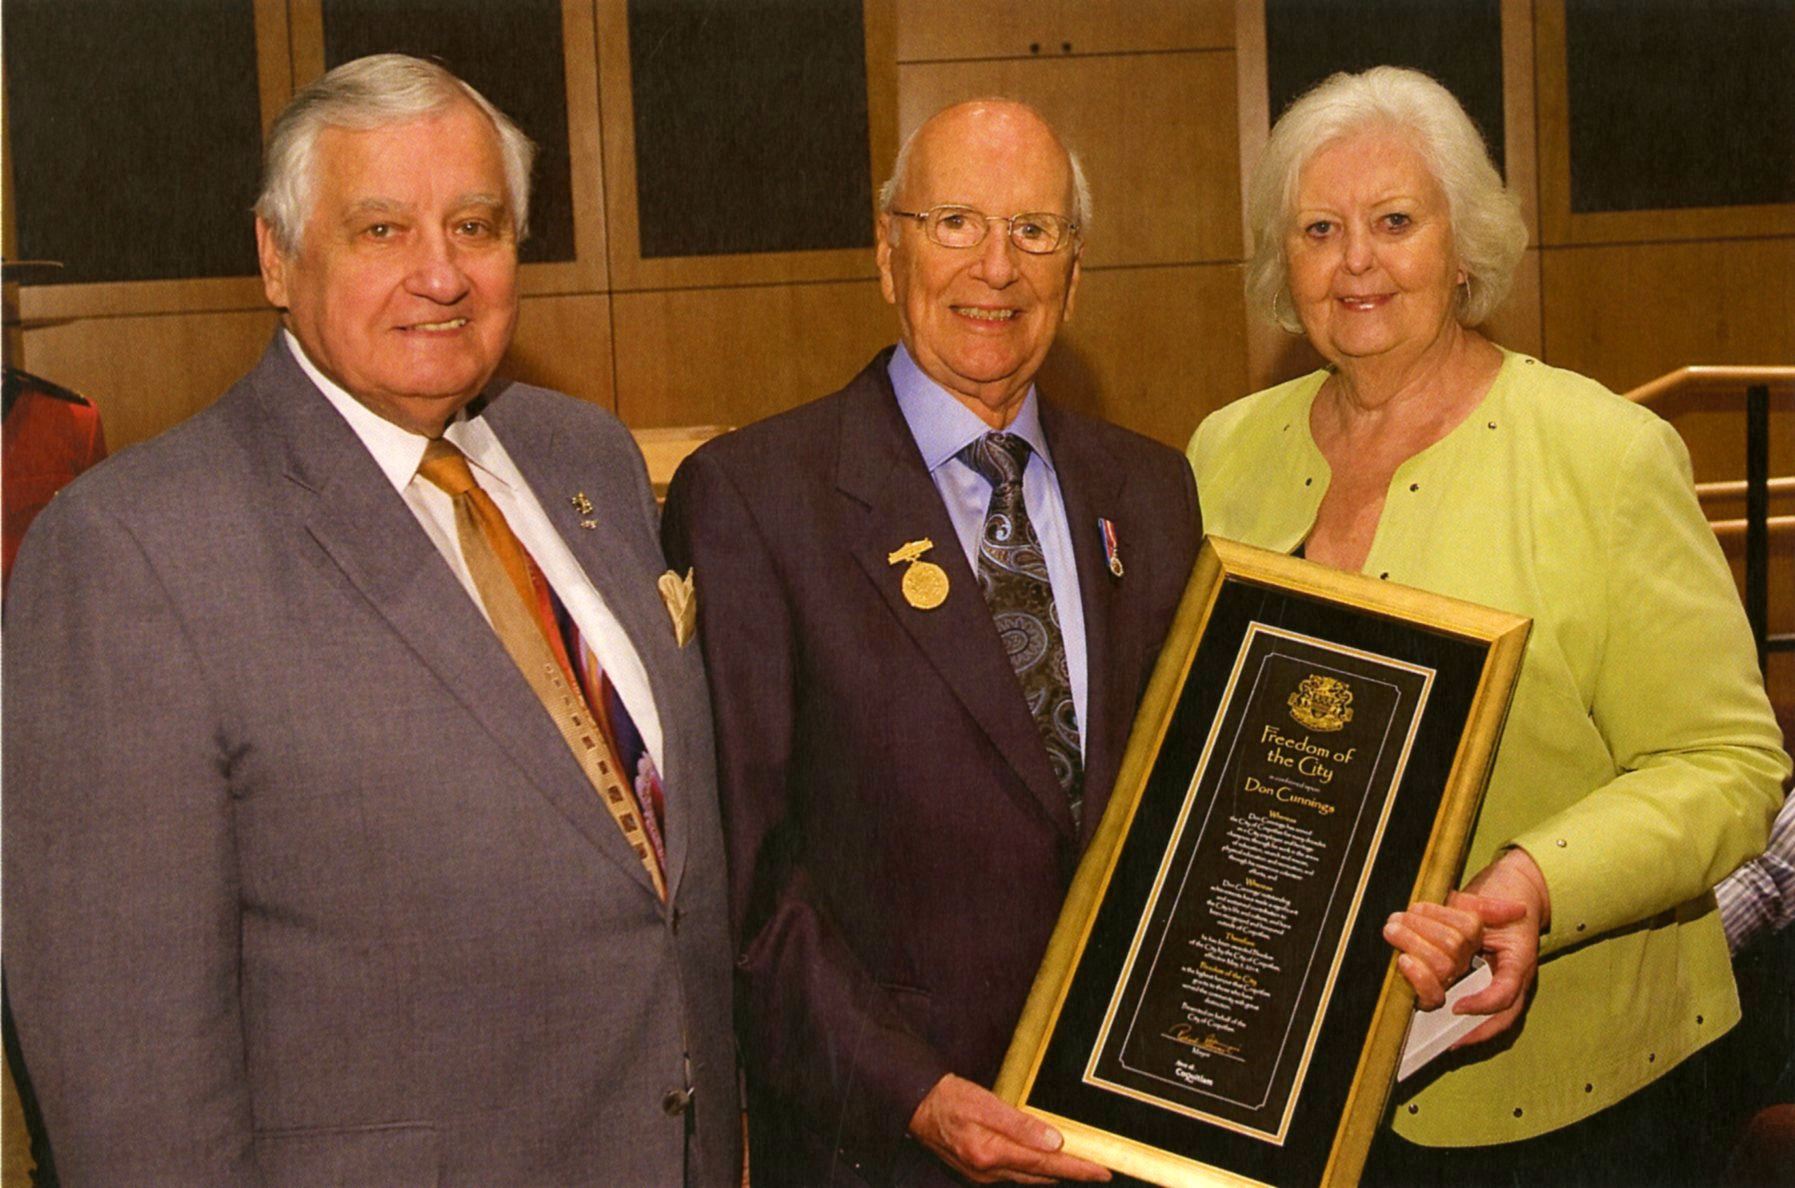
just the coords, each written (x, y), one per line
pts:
(1758, 526)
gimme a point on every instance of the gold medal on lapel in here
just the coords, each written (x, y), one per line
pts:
(925, 583)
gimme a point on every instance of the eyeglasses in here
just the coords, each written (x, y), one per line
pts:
(1039, 233)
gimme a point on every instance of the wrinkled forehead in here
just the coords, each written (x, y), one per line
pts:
(454, 148)
(1000, 159)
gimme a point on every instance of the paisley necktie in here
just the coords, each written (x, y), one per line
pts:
(1012, 575)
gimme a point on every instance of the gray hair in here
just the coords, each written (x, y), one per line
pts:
(373, 92)
(1488, 233)
(1081, 188)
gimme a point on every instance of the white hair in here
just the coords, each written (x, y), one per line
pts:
(1081, 189)
(1488, 233)
(373, 92)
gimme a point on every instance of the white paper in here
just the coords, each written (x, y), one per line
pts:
(1432, 1032)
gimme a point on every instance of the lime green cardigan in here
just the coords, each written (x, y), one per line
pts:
(1640, 763)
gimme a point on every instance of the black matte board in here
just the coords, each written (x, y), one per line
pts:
(136, 136)
(1679, 103)
(511, 52)
(1458, 42)
(751, 126)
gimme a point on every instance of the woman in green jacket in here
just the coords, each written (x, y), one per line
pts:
(1641, 762)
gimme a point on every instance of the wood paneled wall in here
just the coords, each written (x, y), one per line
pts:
(1626, 296)
(1164, 99)
(1166, 102)
(1144, 93)
(715, 339)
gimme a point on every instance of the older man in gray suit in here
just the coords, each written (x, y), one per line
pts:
(359, 819)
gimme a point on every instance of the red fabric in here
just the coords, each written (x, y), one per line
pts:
(51, 435)
(1766, 1155)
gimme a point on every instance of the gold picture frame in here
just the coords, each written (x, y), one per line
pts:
(1217, 1005)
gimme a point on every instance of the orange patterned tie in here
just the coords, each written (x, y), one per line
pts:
(513, 591)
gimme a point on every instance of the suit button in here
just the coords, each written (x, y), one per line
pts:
(676, 1102)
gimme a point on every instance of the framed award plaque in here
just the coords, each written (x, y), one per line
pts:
(1218, 1005)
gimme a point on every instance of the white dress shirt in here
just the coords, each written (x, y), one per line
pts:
(399, 451)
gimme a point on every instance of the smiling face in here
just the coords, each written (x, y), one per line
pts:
(980, 320)
(403, 288)
(1372, 266)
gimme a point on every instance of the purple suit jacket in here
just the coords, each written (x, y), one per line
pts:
(899, 847)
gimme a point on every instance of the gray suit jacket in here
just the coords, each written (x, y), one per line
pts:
(302, 885)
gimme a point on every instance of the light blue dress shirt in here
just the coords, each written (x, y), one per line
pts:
(942, 427)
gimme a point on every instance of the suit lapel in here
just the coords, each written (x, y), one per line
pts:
(363, 526)
(555, 469)
(879, 467)
(1091, 484)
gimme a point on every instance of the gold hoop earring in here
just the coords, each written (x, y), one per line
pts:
(1278, 300)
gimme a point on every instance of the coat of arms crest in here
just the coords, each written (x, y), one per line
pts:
(1322, 703)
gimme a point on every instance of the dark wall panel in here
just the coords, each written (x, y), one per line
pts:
(751, 125)
(1678, 103)
(508, 50)
(1458, 42)
(136, 136)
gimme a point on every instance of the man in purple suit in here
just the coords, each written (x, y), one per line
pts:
(929, 604)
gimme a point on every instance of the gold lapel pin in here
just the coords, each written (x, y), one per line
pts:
(925, 583)
(581, 504)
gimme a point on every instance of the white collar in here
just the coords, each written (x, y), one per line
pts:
(397, 450)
